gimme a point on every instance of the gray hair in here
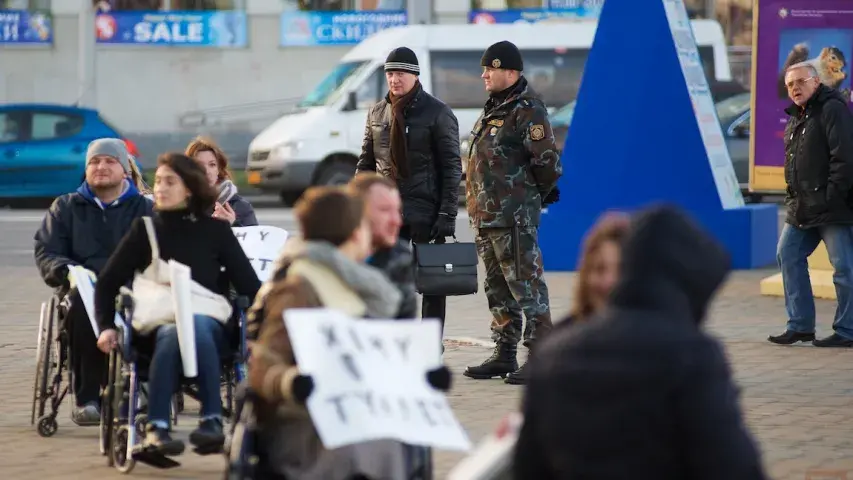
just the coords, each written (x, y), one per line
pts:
(807, 65)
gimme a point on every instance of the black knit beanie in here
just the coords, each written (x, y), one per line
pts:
(402, 59)
(503, 55)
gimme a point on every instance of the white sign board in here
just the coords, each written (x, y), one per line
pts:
(262, 245)
(370, 379)
(180, 278)
(86, 290)
(703, 105)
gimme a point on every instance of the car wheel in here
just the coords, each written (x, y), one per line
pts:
(289, 198)
(336, 173)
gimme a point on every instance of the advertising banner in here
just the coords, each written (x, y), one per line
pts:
(305, 29)
(25, 28)
(222, 29)
(788, 32)
(586, 10)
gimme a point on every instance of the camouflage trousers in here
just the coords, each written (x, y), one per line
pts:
(514, 283)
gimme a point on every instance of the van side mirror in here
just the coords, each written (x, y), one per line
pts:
(352, 102)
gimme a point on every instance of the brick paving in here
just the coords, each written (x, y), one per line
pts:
(796, 399)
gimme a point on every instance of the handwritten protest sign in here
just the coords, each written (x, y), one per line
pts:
(370, 379)
(262, 245)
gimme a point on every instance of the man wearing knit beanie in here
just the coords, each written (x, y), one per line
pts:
(513, 136)
(412, 138)
(82, 229)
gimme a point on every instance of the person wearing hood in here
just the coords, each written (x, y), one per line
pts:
(819, 178)
(229, 206)
(83, 229)
(640, 390)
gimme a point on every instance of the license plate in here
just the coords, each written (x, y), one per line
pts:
(254, 178)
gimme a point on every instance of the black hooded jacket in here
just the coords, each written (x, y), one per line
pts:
(641, 392)
(819, 161)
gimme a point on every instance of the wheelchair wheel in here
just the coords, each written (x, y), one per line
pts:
(121, 460)
(43, 367)
(107, 401)
(47, 426)
(139, 424)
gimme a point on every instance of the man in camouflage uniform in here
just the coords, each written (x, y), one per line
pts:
(513, 168)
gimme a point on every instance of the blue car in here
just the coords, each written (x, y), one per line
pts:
(43, 148)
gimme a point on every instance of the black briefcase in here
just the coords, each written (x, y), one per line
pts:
(446, 269)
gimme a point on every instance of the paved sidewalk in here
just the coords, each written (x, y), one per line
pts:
(796, 399)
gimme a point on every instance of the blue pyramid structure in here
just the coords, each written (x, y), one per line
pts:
(635, 140)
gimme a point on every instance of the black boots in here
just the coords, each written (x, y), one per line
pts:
(500, 364)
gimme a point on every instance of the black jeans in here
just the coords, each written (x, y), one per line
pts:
(432, 306)
(88, 364)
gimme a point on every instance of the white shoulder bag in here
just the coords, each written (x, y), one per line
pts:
(152, 293)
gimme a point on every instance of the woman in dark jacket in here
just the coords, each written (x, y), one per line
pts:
(186, 234)
(229, 206)
(641, 391)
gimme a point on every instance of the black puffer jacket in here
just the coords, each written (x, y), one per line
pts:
(435, 168)
(78, 231)
(819, 161)
(640, 391)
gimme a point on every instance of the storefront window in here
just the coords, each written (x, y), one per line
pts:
(32, 5)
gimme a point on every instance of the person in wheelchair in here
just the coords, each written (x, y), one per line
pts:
(83, 229)
(185, 233)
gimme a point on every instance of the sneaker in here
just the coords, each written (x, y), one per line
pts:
(834, 340)
(87, 415)
(209, 436)
(790, 337)
(158, 440)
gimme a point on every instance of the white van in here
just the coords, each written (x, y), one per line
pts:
(319, 142)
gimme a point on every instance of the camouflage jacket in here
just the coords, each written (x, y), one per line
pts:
(513, 162)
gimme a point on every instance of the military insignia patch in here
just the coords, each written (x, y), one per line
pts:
(537, 132)
(497, 122)
(496, 63)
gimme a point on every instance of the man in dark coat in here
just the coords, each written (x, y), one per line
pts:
(819, 177)
(412, 138)
(641, 391)
(83, 229)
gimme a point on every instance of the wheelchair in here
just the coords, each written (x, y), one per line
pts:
(245, 454)
(52, 363)
(122, 422)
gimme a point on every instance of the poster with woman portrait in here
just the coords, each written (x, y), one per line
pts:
(787, 32)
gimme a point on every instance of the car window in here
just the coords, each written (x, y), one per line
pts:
(55, 125)
(371, 90)
(554, 73)
(13, 127)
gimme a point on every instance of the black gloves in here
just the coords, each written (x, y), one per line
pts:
(302, 387)
(440, 378)
(552, 197)
(444, 227)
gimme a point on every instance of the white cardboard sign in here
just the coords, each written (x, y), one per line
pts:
(86, 290)
(370, 379)
(262, 245)
(180, 278)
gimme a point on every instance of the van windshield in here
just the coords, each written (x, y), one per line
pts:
(333, 81)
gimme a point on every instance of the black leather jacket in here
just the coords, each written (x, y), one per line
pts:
(435, 168)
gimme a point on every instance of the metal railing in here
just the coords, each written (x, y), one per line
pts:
(231, 116)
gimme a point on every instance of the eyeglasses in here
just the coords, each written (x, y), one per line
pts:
(799, 82)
